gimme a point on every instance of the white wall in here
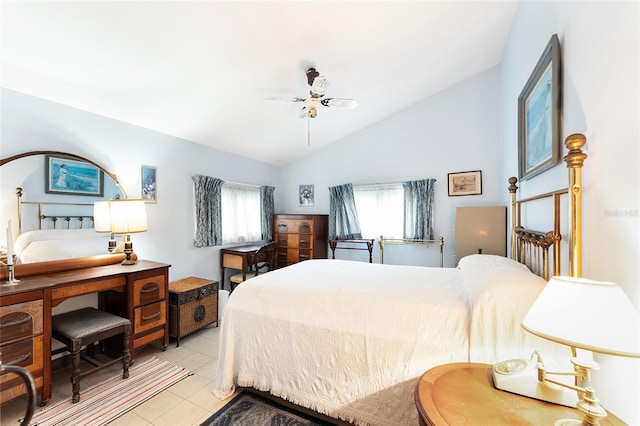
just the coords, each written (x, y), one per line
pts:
(600, 85)
(30, 124)
(453, 131)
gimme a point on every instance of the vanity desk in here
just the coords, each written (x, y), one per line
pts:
(138, 292)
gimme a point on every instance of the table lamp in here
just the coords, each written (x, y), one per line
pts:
(127, 217)
(595, 316)
(102, 220)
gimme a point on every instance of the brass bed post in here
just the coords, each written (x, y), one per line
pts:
(556, 235)
(512, 213)
(575, 160)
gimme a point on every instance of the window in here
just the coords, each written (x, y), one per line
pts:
(380, 210)
(240, 213)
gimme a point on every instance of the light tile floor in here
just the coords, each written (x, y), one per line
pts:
(188, 402)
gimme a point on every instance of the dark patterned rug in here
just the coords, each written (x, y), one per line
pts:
(248, 409)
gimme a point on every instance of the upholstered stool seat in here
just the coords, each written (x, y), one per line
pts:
(84, 327)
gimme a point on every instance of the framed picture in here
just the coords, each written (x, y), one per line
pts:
(539, 145)
(68, 176)
(306, 195)
(149, 184)
(465, 183)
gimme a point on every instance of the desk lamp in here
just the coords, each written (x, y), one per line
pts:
(591, 315)
(102, 220)
(127, 217)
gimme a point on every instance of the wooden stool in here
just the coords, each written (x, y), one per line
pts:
(84, 327)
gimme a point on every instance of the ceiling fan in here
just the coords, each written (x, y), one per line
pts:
(319, 85)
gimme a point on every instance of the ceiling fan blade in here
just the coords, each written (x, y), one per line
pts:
(284, 98)
(339, 103)
(319, 86)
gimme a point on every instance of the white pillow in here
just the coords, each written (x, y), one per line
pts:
(489, 262)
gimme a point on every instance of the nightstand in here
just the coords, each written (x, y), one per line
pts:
(463, 394)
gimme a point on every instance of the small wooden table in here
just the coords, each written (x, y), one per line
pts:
(463, 394)
(368, 242)
(236, 258)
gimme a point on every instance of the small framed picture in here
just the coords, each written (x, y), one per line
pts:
(306, 195)
(149, 184)
(465, 183)
(72, 177)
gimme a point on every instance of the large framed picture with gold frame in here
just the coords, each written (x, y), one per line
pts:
(539, 104)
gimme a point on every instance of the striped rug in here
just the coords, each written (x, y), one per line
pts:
(112, 398)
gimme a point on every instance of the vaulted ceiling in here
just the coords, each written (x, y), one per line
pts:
(201, 70)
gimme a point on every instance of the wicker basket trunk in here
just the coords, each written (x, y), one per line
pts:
(193, 304)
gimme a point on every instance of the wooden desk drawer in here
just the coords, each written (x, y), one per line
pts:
(25, 353)
(20, 321)
(15, 387)
(63, 291)
(233, 261)
(148, 290)
(150, 316)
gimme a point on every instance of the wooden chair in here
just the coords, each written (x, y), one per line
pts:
(84, 327)
(261, 261)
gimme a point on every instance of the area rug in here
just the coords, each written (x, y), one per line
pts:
(248, 409)
(112, 398)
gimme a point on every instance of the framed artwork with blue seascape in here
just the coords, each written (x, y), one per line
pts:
(539, 115)
(72, 177)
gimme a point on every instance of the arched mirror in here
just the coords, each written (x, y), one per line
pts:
(30, 174)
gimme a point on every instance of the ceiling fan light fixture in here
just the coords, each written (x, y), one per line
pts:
(313, 112)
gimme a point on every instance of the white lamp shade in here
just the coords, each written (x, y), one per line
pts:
(101, 216)
(592, 315)
(127, 216)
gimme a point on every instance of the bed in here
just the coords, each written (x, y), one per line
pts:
(56, 230)
(351, 339)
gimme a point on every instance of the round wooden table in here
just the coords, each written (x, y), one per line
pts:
(463, 394)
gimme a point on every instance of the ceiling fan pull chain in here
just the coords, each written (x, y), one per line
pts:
(308, 130)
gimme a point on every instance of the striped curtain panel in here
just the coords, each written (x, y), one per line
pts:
(208, 207)
(343, 216)
(418, 209)
(266, 211)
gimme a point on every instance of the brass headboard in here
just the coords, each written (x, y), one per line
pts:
(411, 241)
(56, 221)
(532, 247)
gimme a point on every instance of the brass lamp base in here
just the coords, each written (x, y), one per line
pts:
(131, 258)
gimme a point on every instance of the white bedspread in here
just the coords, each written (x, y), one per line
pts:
(351, 339)
(348, 339)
